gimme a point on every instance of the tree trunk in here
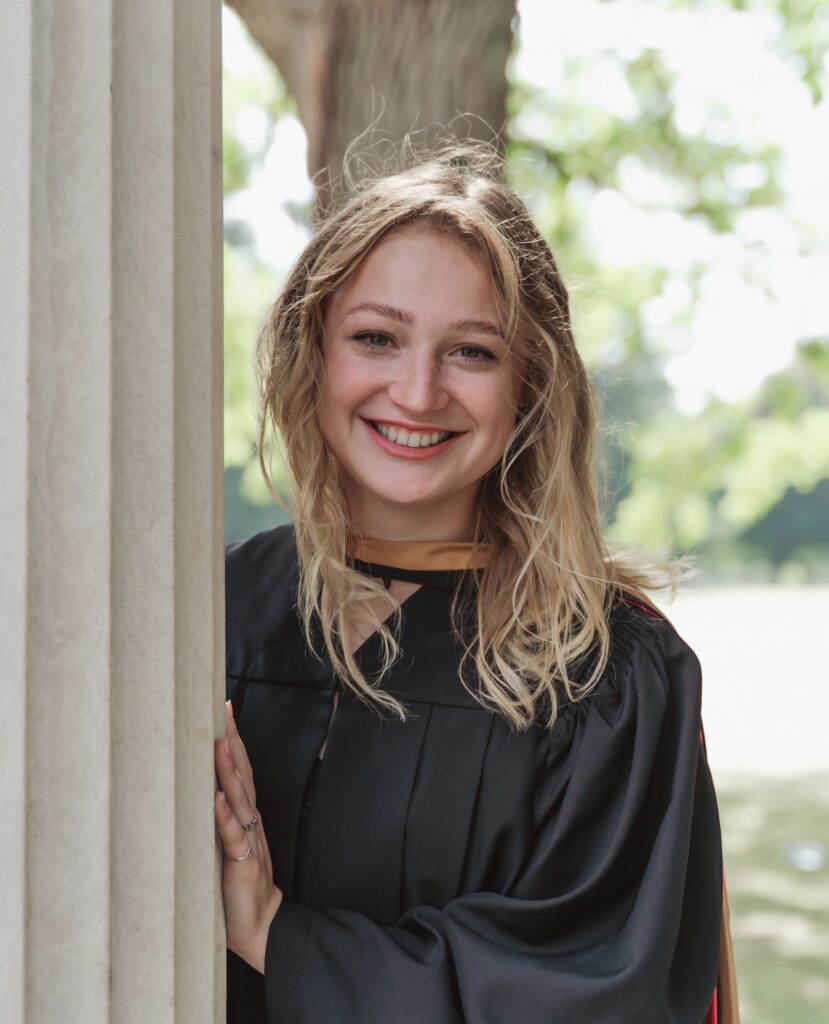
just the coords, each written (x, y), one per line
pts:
(420, 62)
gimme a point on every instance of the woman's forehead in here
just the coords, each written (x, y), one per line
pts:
(418, 269)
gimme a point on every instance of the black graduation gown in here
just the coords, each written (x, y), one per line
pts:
(454, 871)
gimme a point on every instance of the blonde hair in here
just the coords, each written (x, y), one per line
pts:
(542, 605)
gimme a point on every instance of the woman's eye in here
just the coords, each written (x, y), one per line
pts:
(479, 355)
(379, 342)
(373, 339)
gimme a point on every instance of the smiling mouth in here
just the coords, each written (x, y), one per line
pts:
(412, 438)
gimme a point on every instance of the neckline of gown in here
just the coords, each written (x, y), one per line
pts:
(439, 564)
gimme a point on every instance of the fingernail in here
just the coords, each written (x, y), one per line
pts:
(226, 746)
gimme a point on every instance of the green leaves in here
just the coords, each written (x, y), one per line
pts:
(705, 480)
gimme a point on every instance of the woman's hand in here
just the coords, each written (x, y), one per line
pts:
(250, 898)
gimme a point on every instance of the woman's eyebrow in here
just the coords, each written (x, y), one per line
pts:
(475, 327)
(403, 316)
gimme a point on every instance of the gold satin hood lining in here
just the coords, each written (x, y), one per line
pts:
(422, 554)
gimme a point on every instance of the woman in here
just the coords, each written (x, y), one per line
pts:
(464, 777)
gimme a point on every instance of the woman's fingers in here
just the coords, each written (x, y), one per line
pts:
(231, 784)
(250, 897)
(248, 892)
(233, 836)
(240, 755)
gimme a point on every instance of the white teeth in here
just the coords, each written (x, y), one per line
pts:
(413, 439)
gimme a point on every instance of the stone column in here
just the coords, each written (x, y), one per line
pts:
(111, 567)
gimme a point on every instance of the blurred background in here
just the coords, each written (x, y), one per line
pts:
(675, 153)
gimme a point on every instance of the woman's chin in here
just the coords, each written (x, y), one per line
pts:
(403, 499)
(399, 493)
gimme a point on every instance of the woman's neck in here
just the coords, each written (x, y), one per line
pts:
(447, 521)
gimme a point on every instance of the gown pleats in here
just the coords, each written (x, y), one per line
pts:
(448, 870)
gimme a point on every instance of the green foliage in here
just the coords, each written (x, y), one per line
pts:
(692, 481)
(802, 36)
(259, 96)
(250, 289)
(254, 101)
(700, 481)
(586, 142)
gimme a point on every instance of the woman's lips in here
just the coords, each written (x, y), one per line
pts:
(404, 452)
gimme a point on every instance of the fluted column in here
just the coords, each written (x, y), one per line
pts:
(111, 646)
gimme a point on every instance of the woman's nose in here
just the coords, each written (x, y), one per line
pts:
(418, 383)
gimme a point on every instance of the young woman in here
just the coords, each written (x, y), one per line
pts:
(464, 777)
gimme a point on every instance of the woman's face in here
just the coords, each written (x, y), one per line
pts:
(420, 393)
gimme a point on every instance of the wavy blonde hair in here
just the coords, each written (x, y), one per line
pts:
(542, 605)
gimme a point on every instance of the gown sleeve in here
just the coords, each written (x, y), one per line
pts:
(615, 916)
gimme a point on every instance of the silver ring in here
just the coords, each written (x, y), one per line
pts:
(248, 854)
(251, 824)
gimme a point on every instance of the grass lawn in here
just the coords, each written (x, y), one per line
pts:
(776, 849)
